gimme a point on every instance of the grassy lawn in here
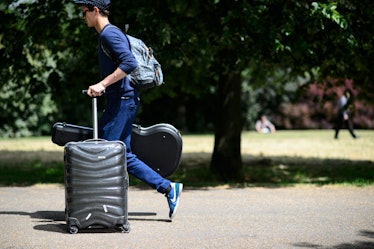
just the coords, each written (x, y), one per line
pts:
(281, 159)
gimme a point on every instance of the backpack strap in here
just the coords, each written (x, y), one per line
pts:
(106, 51)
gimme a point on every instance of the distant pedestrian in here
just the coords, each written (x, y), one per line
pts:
(263, 125)
(343, 116)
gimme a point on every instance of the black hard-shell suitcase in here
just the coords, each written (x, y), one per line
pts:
(159, 146)
(96, 183)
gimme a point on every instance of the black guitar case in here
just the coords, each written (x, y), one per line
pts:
(159, 146)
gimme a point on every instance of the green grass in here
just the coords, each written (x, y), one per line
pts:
(288, 158)
(285, 158)
(31, 173)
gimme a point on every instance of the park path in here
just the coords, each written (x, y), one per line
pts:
(295, 217)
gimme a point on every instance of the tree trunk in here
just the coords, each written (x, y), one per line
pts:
(226, 160)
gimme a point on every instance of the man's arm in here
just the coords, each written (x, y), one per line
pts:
(271, 126)
(98, 89)
(258, 126)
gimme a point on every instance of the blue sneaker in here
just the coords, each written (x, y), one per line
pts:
(173, 198)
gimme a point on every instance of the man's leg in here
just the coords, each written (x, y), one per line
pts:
(146, 174)
(116, 124)
(338, 125)
(350, 128)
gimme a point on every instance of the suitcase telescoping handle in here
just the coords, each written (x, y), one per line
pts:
(94, 116)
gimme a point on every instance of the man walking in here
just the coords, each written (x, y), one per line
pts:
(122, 99)
(343, 116)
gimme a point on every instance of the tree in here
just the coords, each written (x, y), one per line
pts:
(303, 36)
(285, 38)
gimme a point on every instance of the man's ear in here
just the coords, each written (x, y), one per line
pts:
(96, 10)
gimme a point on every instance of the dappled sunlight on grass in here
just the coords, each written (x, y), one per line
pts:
(310, 144)
(299, 143)
(29, 144)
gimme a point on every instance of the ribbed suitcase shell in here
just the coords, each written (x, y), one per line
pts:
(96, 185)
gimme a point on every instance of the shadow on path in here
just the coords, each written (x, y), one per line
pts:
(355, 244)
(54, 221)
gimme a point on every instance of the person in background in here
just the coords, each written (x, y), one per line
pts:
(263, 125)
(343, 117)
(122, 99)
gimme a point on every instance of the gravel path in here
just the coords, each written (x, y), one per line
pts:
(296, 217)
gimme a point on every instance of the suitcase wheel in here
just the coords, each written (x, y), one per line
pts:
(125, 228)
(73, 229)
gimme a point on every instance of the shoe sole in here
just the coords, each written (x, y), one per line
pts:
(176, 205)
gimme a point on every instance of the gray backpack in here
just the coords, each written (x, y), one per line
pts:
(148, 73)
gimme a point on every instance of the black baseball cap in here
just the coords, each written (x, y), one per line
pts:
(101, 4)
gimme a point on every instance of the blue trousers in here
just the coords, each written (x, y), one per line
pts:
(116, 124)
